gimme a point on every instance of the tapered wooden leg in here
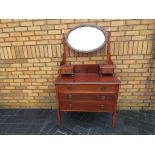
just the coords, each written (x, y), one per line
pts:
(113, 119)
(58, 116)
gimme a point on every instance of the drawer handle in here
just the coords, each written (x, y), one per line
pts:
(102, 97)
(70, 106)
(103, 88)
(102, 106)
(69, 88)
(69, 96)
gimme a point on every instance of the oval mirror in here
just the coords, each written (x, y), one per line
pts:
(86, 38)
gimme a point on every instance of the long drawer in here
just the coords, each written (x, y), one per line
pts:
(87, 88)
(86, 106)
(85, 97)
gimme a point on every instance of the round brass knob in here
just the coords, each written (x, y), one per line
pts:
(103, 88)
(69, 88)
(102, 97)
(69, 96)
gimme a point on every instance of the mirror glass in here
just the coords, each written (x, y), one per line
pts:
(86, 38)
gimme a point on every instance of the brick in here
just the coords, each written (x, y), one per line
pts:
(126, 86)
(37, 51)
(151, 37)
(47, 27)
(40, 32)
(3, 25)
(35, 37)
(136, 66)
(81, 20)
(20, 28)
(28, 33)
(34, 68)
(8, 29)
(45, 60)
(54, 32)
(140, 27)
(84, 58)
(42, 87)
(142, 61)
(70, 26)
(26, 23)
(13, 24)
(22, 38)
(35, 76)
(132, 32)
(142, 70)
(135, 74)
(18, 80)
(138, 37)
(125, 66)
(5, 44)
(17, 43)
(9, 52)
(55, 41)
(15, 34)
(135, 47)
(28, 72)
(148, 21)
(39, 64)
(62, 26)
(45, 68)
(146, 32)
(30, 43)
(133, 22)
(103, 24)
(67, 21)
(41, 72)
(41, 80)
(117, 23)
(140, 45)
(14, 84)
(121, 33)
(129, 62)
(151, 26)
(39, 22)
(4, 35)
(125, 27)
(124, 38)
(2, 40)
(53, 21)
(47, 37)
(49, 51)
(145, 45)
(10, 39)
(34, 28)
(33, 60)
(42, 42)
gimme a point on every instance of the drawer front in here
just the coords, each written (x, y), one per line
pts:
(106, 71)
(87, 88)
(86, 106)
(87, 97)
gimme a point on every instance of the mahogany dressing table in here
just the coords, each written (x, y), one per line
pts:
(88, 87)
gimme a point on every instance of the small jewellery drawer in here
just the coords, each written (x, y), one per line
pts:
(87, 88)
(86, 106)
(86, 97)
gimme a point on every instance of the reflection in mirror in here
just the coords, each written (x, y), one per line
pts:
(86, 38)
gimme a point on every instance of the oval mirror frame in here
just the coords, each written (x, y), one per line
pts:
(86, 38)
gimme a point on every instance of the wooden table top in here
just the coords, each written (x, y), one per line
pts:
(86, 79)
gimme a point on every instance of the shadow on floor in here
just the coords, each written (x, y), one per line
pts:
(44, 122)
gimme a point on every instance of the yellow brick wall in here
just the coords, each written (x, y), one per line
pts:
(31, 51)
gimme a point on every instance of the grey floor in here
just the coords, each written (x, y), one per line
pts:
(44, 122)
